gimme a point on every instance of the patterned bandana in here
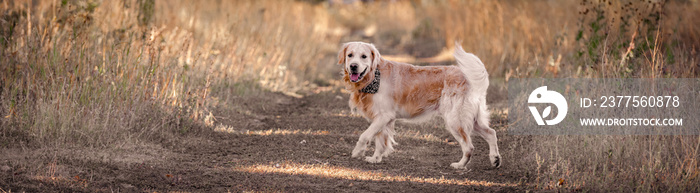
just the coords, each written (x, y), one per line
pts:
(374, 86)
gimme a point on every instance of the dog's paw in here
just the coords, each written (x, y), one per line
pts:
(458, 165)
(373, 160)
(387, 152)
(496, 161)
(358, 153)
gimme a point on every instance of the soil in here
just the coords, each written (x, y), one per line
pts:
(271, 142)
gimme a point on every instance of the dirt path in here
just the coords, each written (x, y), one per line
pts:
(289, 144)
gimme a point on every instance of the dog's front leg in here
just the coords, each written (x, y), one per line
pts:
(366, 136)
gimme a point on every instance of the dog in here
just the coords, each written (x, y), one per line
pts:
(383, 91)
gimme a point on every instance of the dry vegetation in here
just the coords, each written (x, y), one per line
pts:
(127, 65)
(126, 74)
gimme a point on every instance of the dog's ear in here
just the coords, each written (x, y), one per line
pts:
(341, 53)
(376, 57)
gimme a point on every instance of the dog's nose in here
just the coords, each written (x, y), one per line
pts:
(353, 67)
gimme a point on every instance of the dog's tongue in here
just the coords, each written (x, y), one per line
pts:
(354, 77)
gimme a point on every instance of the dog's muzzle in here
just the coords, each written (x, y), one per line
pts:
(354, 76)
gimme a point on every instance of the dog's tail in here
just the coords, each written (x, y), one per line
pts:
(474, 70)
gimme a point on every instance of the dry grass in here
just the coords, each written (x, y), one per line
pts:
(136, 72)
(104, 74)
(617, 163)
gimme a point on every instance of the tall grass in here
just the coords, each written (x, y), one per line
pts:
(626, 39)
(72, 79)
(105, 73)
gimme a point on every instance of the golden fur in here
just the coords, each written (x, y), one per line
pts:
(411, 92)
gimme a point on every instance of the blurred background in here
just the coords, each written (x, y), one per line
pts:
(101, 74)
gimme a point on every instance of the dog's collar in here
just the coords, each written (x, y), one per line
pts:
(373, 87)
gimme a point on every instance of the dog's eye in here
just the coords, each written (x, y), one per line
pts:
(364, 56)
(349, 55)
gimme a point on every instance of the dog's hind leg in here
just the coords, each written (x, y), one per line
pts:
(481, 126)
(456, 114)
(461, 133)
(463, 136)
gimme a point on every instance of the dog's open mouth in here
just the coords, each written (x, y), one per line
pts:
(354, 77)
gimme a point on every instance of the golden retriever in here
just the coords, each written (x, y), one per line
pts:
(384, 91)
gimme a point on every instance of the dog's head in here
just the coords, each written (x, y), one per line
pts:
(358, 59)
